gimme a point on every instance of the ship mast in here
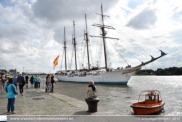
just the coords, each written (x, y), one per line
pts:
(74, 43)
(103, 34)
(65, 49)
(86, 34)
(102, 27)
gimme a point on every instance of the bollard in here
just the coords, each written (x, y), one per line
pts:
(92, 104)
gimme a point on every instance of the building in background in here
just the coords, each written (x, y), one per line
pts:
(3, 71)
(12, 71)
(17, 73)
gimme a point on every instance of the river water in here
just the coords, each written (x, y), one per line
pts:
(119, 98)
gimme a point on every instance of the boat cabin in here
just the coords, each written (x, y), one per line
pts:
(151, 96)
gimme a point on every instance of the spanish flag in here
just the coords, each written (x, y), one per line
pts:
(55, 63)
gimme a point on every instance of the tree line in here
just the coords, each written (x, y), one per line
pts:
(160, 71)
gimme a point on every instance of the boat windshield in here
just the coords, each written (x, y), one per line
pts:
(150, 95)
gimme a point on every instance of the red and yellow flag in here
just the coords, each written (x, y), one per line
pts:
(55, 63)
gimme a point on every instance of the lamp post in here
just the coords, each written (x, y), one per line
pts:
(30, 71)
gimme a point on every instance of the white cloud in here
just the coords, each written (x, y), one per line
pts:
(32, 33)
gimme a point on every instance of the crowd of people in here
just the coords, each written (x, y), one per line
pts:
(10, 86)
(14, 81)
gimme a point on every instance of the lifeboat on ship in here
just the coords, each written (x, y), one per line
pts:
(153, 103)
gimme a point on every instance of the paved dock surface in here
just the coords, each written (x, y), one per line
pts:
(37, 102)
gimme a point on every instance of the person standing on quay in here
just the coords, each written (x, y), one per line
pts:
(26, 80)
(31, 81)
(15, 81)
(46, 83)
(11, 95)
(0, 79)
(52, 81)
(21, 82)
(49, 84)
(6, 76)
(36, 81)
(39, 80)
(3, 80)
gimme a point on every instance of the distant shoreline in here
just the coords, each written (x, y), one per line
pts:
(156, 75)
(171, 71)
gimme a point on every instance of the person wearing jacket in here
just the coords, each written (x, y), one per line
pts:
(11, 95)
(3, 80)
(26, 80)
(52, 81)
(21, 82)
(36, 81)
(39, 80)
(15, 81)
(46, 88)
(91, 90)
(49, 84)
(31, 81)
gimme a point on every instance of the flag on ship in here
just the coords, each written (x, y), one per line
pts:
(55, 63)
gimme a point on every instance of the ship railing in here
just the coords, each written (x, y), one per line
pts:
(82, 75)
(96, 74)
(89, 73)
(117, 70)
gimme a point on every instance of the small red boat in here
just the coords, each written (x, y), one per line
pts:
(153, 103)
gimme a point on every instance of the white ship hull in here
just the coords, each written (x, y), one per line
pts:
(104, 78)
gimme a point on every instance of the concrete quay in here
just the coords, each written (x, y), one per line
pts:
(37, 102)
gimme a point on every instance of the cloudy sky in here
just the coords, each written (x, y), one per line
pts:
(31, 33)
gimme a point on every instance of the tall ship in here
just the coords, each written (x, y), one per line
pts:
(100, 75)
